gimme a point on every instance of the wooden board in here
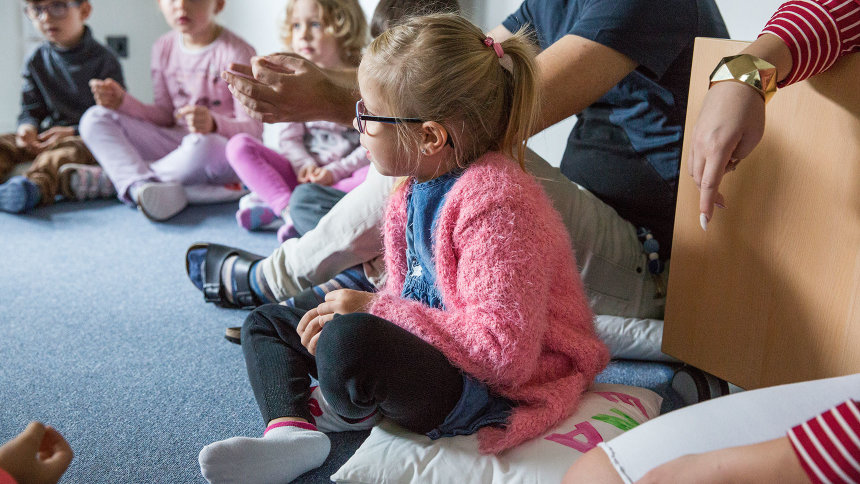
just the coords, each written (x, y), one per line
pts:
(770, 294)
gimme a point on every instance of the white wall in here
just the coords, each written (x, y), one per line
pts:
(258, 22)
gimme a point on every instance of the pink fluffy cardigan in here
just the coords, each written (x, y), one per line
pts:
(515, 315)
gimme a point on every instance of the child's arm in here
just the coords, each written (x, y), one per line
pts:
(291, 144)
(347, 165)
(34, 109)
(160, 112)
(228, 126)
(238, 121)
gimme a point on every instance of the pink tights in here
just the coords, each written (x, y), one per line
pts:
(270, 175)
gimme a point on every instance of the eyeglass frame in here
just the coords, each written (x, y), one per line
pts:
(30, 9)
(361, 119)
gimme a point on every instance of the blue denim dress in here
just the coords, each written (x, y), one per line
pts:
(478, 406)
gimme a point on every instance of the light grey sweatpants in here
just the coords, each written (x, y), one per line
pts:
(131, 150)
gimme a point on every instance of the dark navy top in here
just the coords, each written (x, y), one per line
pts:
(56, 89)
(477, 406)
(649, 105)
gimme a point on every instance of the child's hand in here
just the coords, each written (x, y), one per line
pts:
(198, 119)
(53, 136)
(304, 174)
(37, 455)
(108, 93)
(342, 301)
(322, 176)
(27, 138)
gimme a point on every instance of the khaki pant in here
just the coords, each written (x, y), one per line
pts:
(46, 165)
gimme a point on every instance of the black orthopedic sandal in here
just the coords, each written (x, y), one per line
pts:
(210, 270)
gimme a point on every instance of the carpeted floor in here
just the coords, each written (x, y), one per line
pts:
(103, 337)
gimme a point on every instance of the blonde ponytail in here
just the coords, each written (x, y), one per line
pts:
(439, 68)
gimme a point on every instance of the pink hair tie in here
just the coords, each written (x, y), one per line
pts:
(489, 42)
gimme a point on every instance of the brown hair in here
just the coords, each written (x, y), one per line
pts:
(389, 12)
(437, 68)
(342, 18)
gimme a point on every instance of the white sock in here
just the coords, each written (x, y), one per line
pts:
(281, 455)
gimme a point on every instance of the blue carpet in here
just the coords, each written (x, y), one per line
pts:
(103, 337)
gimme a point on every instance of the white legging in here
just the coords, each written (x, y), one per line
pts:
(739, 419)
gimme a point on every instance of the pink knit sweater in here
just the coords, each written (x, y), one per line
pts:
(515, 315)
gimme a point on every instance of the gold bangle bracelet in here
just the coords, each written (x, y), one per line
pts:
(747, 69)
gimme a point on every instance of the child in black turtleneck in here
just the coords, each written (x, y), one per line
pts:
(54, 96)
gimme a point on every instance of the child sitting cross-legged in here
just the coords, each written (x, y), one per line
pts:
(154, 153)
(482, 325)
(54, 96)
(331, 34)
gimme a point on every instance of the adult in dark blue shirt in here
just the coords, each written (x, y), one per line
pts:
(622, 66)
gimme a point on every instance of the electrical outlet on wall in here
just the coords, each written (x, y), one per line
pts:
(119, 44)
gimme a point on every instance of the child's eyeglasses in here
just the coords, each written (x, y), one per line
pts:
(362, 117)
(57, 10)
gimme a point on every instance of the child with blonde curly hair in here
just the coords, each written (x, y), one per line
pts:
(331, 34)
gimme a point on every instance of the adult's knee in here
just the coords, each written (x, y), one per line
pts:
(306, 193)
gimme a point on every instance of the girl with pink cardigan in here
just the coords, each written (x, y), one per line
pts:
(482, 325)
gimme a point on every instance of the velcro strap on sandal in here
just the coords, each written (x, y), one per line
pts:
(244, 295)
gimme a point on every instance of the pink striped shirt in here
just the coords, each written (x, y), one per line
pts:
(828, 445)
(817, 33)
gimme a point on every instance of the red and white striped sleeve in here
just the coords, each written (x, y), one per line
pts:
(828, 446)
(817, 33)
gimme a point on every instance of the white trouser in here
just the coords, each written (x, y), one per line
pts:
(608, 252)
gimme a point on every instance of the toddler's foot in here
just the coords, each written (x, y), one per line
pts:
(287, 231)
(160, 201)
(327, 420)
(19, 194)
(84, 182)
(281, 455)
(255, 217)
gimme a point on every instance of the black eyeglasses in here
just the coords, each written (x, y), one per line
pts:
(57, 10)
(362, 117)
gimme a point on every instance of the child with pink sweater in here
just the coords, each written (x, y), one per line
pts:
(482, 325)
(151, 151)
(331, 34)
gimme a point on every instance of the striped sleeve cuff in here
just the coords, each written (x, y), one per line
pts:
(817, 32)
(828, 446)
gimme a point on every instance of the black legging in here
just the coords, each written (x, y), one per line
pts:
(363, 362)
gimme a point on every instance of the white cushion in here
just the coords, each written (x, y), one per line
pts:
(632, 338)
(392, 455)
